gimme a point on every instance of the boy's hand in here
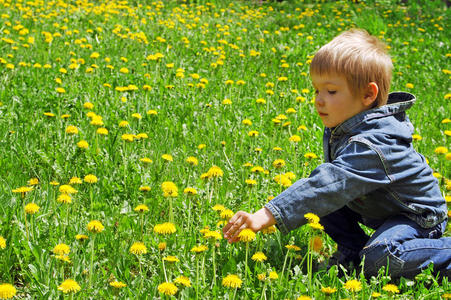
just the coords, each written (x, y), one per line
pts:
(241, 220)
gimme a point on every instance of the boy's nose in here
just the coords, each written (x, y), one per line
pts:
(319, 101)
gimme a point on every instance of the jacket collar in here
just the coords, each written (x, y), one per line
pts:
(397, 102)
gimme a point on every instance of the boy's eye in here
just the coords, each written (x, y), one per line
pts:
(332, 92)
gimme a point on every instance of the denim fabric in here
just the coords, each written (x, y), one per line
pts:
(406, 249)
(398, 243)
(370, 167)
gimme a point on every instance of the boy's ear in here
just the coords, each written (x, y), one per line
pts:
(370, 94)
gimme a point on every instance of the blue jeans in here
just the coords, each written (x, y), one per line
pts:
(398, 243)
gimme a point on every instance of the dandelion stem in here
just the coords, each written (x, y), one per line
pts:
(246, 268)
(141, 272)
(197, 278)
(283, 267)
(26, 227)
(92, 260)
(164, 271)
(214, 265)
(142, 226)
(263, 296)
(309, 262)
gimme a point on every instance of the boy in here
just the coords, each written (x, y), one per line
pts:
(372, 174)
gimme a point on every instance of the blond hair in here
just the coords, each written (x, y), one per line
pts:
(360, 58)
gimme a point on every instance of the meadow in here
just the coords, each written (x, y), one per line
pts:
(131, 131)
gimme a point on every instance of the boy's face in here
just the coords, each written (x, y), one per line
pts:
(334, 101)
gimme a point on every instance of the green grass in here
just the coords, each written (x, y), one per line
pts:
(217, 41)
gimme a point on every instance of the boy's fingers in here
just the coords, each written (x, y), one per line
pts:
(235, 238)
(234, 226)
(230, 223)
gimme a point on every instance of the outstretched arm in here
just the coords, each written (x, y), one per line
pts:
(257, 221)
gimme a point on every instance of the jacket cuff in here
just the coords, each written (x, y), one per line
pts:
(276, 214)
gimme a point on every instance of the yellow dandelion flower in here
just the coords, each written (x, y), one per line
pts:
(328, 290)
(416, 137)
(246, 235)
(292, 247)
(226, 214)
(64, 258)
(67, 189)
(169, 189)
(138, 248)
(71, 129)
(171, 259)
(201, 146)
(353, 285)
(269, 230)
(137, 116)
(250, 182)
(295, 138)
(88, 105)
(192, 161)
(60, 90)
(218, 207)
(215, 172)
(146, 160)
(90, 178)
(232, 281)
(162, 246)
(117, 284)
(83, 144)
(273, 275)
(376, 295)
(183, 280)
(311, 218)
(123, 124)
(316, 226)
(31, 208)
(69, 286)
(164, 228)
(167, 157)
(23, 190)
(2, 242)
(259, 256)
(167, 288)
(81, 237)
(75, 180)
(64, 198)
(7, 291)
(213, 234)
(33, 181)
(441, 150)
(152, 112)
(310, 155)
(278, 163)
(95, 226)
(102, 131)
(141, 208)
(246, 122)
(409, 85)
(391, 288)
(144, 188)
(261, 276)
(199, 249)
(190, 191)
(253, 133)
(303, 297)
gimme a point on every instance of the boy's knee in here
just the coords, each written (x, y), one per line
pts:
(379, 255)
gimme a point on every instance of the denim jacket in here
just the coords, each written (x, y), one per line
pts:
(370, 166)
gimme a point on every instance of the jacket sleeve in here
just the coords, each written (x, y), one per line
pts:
(357, 171)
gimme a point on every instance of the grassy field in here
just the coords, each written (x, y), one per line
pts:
(130, 131)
